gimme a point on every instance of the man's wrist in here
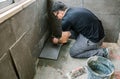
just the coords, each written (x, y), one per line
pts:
(59, 41)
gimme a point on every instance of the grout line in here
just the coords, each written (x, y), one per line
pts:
(1, 58)
(17, 40)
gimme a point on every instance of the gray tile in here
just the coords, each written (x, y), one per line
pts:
(50, 50)
(39, 46)
(7, 37)
(6, 67)
(23, 60)
(58, 69)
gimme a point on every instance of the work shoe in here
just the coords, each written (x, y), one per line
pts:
(76, 73)
(106, 52)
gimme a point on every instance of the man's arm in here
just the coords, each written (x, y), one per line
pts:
(63, 39)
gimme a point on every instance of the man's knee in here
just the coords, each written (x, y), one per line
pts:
(73, 52)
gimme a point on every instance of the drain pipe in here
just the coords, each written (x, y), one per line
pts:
(82, 3)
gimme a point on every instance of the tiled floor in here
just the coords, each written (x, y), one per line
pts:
(56, 69)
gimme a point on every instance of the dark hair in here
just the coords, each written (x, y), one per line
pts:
(58, 6)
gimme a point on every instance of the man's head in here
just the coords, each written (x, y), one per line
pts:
(58, 9)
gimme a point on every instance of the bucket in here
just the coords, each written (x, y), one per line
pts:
(99, 68)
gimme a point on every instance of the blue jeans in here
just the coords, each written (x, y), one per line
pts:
(84, 48)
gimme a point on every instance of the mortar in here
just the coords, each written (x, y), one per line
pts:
(99, 68)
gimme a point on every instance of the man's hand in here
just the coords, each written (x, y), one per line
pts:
(55, 40)
(63, 39)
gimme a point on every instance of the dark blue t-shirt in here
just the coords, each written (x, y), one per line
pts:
(82, 21)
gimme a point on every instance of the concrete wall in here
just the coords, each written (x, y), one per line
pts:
(22, 36)
(107, 10)
(21, 39)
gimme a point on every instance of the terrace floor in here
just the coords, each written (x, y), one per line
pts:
(56, 69)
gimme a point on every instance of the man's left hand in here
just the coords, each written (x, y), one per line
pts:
(55, 40)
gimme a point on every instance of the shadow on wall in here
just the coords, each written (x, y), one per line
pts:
(53, 23)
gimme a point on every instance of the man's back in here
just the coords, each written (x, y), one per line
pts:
(85, 22)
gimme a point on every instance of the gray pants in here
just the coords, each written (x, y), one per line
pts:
(84, 48)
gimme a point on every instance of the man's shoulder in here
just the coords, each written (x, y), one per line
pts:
(74, 10)
(77, 8)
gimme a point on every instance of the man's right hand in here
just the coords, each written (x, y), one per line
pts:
(65, 37)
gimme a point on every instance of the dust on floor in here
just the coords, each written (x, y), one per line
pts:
(57, 69)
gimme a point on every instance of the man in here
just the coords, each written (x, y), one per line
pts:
(84, 26)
